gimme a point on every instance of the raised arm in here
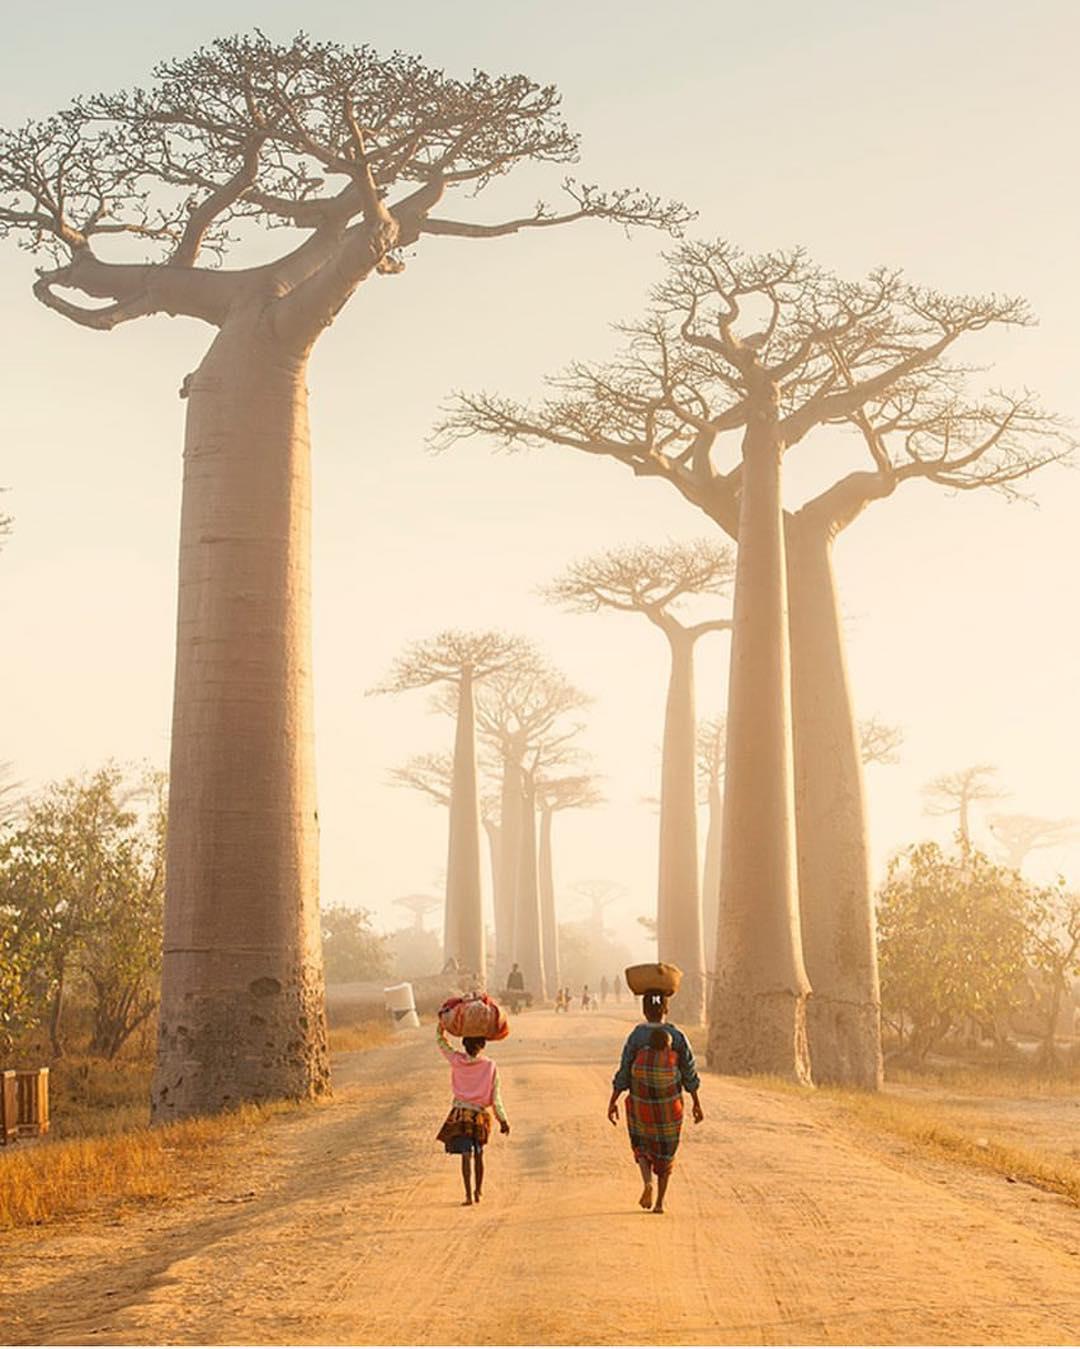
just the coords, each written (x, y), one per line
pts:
(443, 1045)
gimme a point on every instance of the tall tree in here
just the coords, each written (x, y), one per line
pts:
(462, 661)
(554, 795)
(523, 714)
(419, 905)
(879, 742)
(866, 360)
(657, 582)
(1021, 835)
(355, 152)
(956, 793)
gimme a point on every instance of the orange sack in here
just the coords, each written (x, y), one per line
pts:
(475, 1014)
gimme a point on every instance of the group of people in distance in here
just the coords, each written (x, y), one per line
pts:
(590, 1001)
(656, 1066)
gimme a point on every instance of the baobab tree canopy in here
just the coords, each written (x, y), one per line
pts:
(351, 147)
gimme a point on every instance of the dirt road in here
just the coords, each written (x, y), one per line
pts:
(342, 1224)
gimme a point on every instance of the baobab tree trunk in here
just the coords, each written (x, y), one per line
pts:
(549, 923)
(758, 1006)
(242, 1005)
(464, 930)
(529, 947)
(678, 909)
(710, 881)
(494, 838)
(835, 892)
(510, 823)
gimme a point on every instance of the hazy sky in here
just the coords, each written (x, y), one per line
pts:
(934, 136)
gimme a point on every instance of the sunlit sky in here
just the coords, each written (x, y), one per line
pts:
(934, 136)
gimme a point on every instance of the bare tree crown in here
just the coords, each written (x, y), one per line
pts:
(645, 578)
(729, 333)
(354, 148)
(446, 657)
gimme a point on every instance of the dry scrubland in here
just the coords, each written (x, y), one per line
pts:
(101, 1155)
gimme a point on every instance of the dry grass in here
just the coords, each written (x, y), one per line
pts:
(984, 1080)
(51, 1181)
(360, 1035)
(943, 1132)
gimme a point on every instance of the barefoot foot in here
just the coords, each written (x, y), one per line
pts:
(476, 1196)
(646, 1197)
(659, 1208)
(466, 1203)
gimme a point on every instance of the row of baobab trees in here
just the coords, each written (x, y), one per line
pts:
(138, 200)
(517, 764)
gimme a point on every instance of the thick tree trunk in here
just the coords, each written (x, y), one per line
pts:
(494, 838)
(242, 1008)
(510, 822)
(678, 908)
(835, 892)
(529, 948)
(464, 930)
(710, 881)
(758, 1006)
(549, 922)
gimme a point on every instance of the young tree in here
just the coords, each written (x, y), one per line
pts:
(121, 952)
(955, 793)
(656, 583)
(352, 153)
(1054, 932)
(352, 951)
(553, 795)
(1021, 835)
(867, 357)
(953, 932)
(461, 660)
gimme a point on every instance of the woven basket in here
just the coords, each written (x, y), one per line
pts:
(658, 978)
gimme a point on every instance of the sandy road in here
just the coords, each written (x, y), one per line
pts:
(342, 1224)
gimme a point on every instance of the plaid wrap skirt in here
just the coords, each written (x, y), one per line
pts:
(654, 1108)
(465, 1130)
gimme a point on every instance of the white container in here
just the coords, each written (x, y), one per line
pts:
(401, 1005)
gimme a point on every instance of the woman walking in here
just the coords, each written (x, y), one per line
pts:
(657, 1064)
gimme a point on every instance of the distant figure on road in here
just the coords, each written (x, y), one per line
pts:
(616, 988)
(603, 989)
(474, 1081)
(657, 1063)
(515, 980)
(586, 998)
(561, 1004)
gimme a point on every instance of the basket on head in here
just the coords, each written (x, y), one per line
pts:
(657, 977)
(476, 1014)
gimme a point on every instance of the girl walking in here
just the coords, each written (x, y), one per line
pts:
(474, 1082)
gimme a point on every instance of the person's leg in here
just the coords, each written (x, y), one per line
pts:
(646, 1179)
(661, 1190)
(465, 1176)
(479, 1184)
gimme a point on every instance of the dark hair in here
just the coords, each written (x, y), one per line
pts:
(655, 1004)
(659, 1039)
(473, 1044)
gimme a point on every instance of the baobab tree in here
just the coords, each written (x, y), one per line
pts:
(866, 360)
(134, 198)
(461, 660)
(657, 582)
(432, 776)
(419, 905)
(553, 795)
(956, 793)
(711, 747)
(522, 715)
(1021, 835)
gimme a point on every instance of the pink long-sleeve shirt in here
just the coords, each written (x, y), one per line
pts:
(474, 1081)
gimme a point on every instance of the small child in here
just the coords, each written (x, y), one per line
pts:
(474, 1081)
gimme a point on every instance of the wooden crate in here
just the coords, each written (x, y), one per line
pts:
(9, 1107)
(32, 1089)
